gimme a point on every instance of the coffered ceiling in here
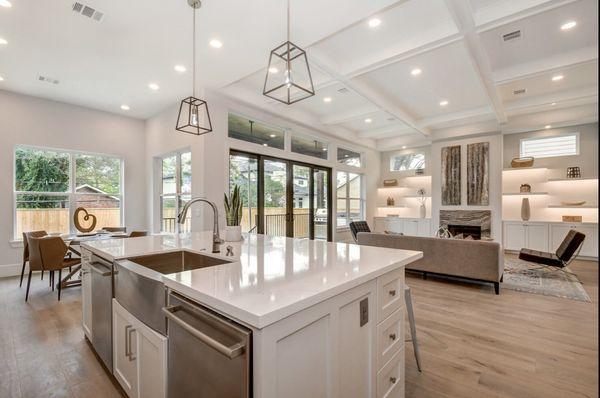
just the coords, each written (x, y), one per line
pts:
(429, 66)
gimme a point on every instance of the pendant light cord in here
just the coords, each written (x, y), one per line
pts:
(194, 54)
(288, 20)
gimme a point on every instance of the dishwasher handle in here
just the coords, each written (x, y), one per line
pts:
(94, 267)
(231, 352)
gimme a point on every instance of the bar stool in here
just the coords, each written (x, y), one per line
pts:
(413, 328)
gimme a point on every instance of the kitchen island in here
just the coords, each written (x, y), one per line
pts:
(325, 319)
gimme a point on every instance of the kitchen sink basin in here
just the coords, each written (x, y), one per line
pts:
(179, 261)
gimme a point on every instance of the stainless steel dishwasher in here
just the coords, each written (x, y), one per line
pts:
(209, 355)
(102, 294)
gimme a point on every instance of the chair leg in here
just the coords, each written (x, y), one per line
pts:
(502, 278)
(413, 327)
(51, 277)
(28, 284)
(59, 283)
(42, 277)
(497, 287)
(22, 273)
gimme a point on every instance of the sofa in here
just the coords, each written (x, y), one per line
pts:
(470, 259)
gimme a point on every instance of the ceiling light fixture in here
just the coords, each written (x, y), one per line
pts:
(1, 79)
(374, 22)
(273, 70)
(368, 120)
(3, 41)
(265, 144)
(289, 87)
(180, 68)
(547, 126)
(557, 78)
(403, 146)
(327, 99)
(272, 135)
(216, 43)
(568, 25)
(415, 72)
(153, 86)
(125, 107)
(325, 149)
(552, 104)
(193, 117)
(443, 103)
(5, 3)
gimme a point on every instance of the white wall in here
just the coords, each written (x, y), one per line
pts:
(210, 156)
(496, 148)
(34, 121)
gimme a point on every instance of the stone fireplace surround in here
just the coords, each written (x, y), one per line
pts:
(479, 218)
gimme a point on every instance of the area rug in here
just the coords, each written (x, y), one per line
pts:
(520, 275)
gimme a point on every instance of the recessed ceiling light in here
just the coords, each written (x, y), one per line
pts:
(374, 22)
(272, 135)
(153, 86)
(568, 25)
(547, 126)
(5, 3)
(415, 72)
(180, 68)
(403, 146)
(273, 70)
(327, 99)
(215, 43)
(324, 149)
(368, 120)
(443, 103)
(557, 78)
(1, 79)
(552, 104)
(265, 144)
(3, 41)
(125, 107)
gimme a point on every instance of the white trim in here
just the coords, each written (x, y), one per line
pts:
(544, 137)
(10, 270)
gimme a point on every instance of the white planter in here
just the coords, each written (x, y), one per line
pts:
(233, 233)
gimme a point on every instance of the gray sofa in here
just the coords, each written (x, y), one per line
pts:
(470, 259)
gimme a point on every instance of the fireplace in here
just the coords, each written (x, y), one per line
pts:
(473, 231)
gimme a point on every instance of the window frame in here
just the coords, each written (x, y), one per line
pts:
(178, 193)
(348, 199)
(71, 192)
(392, 157)
(543, 137)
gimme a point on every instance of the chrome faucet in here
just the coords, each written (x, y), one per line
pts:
(217, 241)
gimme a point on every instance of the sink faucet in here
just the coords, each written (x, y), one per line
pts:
(217, 241)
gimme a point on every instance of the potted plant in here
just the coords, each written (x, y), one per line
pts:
(233, 212)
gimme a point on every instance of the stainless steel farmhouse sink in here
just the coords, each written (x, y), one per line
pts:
(179, 261)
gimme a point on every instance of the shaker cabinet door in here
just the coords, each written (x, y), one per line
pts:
(125, 352)
(86, 299)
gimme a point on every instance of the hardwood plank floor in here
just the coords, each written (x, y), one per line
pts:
(473, 343)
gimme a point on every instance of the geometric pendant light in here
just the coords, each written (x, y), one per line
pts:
(194, 117)
(288, 78)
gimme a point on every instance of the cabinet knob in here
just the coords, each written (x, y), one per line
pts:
(393, 380)
(393, 336)
(392, 292)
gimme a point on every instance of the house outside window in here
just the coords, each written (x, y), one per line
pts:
(175, 190)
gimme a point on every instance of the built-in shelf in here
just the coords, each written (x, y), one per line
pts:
(416, 196)
(394, 187)
(421, 176)
(524, 193)
(572, 179)
(573, 207)
(524, 168)
(392, 207)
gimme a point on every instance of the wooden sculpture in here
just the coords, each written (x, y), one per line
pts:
(87, 217)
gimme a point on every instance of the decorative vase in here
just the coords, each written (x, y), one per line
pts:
(233, 233)
(525, 209)
(390, 201)
(422, 210)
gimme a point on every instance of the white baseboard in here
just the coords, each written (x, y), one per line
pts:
(8, 270)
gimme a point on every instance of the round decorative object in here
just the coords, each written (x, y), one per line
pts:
(525, 188)
(87, 217)
(525, 209)
(443, 233)
(522, 162)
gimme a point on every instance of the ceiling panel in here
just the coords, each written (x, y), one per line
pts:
(541, 35)
(446, 74)
(343, 101)
(378, 120)
(574, 78)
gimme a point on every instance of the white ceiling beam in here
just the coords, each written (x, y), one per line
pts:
(386, 131)
(469, 115)
(562, 99)
(463, 17)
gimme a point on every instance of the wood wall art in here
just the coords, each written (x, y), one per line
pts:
(451, 176)
(88, 218)
(478, 174)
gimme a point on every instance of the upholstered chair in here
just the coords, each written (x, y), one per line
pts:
(36, 234)
(137, 234)
(115, 229)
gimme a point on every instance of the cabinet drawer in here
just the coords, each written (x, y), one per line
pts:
(390, 337)
(390, 293)
(390, 379)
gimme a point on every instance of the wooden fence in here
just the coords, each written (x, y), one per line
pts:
(57, 220)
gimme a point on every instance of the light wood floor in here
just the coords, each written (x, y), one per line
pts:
(473, 343)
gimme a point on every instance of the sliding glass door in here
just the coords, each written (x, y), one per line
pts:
(282, 197)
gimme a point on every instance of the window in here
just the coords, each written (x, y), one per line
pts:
(309, 146)
(176, 190)
(350, 202)
(50, 184)
(242, 128)
(348, 157)
(243, 172)
(406, 162)
(547, 147)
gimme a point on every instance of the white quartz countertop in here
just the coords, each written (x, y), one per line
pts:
(270, 277)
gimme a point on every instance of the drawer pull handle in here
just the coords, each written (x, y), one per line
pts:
(392, 292)
(393, 336)
(393, 380)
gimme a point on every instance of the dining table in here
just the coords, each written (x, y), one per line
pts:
(74, 245)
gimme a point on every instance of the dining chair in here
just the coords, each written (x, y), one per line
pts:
(36, 234)
(137, 234)
(115, 229)
(48, 253)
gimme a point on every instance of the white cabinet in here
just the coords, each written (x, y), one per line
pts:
(590, 244)
(139, 356)
(86, 294)
(537, 236)
(514, 236)
(406, 226)
(411, 227)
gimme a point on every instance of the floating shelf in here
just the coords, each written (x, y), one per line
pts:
(572, 179)
(392, 207)
(573, 207)
(524, 168)
(416, 196)
(524, 193)
(394, 187)
(421, 176)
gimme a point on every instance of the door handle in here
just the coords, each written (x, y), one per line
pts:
(98, 270)
(128, 352)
